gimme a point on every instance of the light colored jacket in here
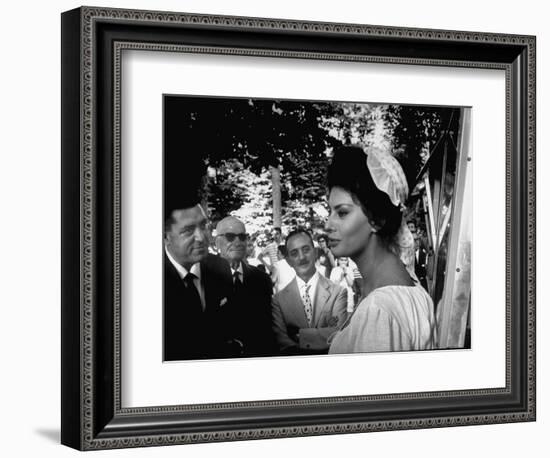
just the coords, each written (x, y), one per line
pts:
(330, 302)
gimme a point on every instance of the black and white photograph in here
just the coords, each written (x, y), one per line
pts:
(288, 225)
(314, 227)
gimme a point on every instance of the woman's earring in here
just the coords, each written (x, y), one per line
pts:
(374, 229)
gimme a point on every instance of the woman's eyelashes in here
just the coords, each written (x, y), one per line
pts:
(342, 213)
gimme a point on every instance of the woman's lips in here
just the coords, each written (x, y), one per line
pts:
(333, 242)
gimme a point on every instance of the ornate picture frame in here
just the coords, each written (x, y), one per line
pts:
(93, 40)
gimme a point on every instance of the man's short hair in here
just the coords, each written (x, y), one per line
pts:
(225, 220)
(182, 202)
(322, 237)
(298, 231)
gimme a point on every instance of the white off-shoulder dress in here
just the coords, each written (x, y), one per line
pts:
(390, 318)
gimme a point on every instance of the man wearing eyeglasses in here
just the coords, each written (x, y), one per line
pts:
(250, 302)
(195, 289)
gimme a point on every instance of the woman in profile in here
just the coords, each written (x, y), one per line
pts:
(367, 191)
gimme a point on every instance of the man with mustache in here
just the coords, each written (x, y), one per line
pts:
(250, 303)
(310, 308)
(195, 289)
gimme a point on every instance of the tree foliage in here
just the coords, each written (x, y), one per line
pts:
(240, 139)
(415, 132)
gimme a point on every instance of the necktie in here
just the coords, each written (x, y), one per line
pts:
(237, 283)
(308, 307)
(194, 295)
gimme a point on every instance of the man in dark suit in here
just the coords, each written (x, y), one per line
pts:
(195, 289)
(310, 308)
(250, 302)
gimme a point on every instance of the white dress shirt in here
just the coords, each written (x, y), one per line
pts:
(239, 269)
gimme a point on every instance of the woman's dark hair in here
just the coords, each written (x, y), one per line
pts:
(348, 170)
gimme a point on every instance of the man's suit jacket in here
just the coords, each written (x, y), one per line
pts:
(250, 312)
(190, 332)
(330, 303)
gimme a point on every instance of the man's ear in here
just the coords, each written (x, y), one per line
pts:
(167, 227)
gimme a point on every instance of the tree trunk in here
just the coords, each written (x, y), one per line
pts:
(276, 190)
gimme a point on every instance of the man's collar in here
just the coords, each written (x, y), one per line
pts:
(238, 269)
(312, 281)
(182, 271)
